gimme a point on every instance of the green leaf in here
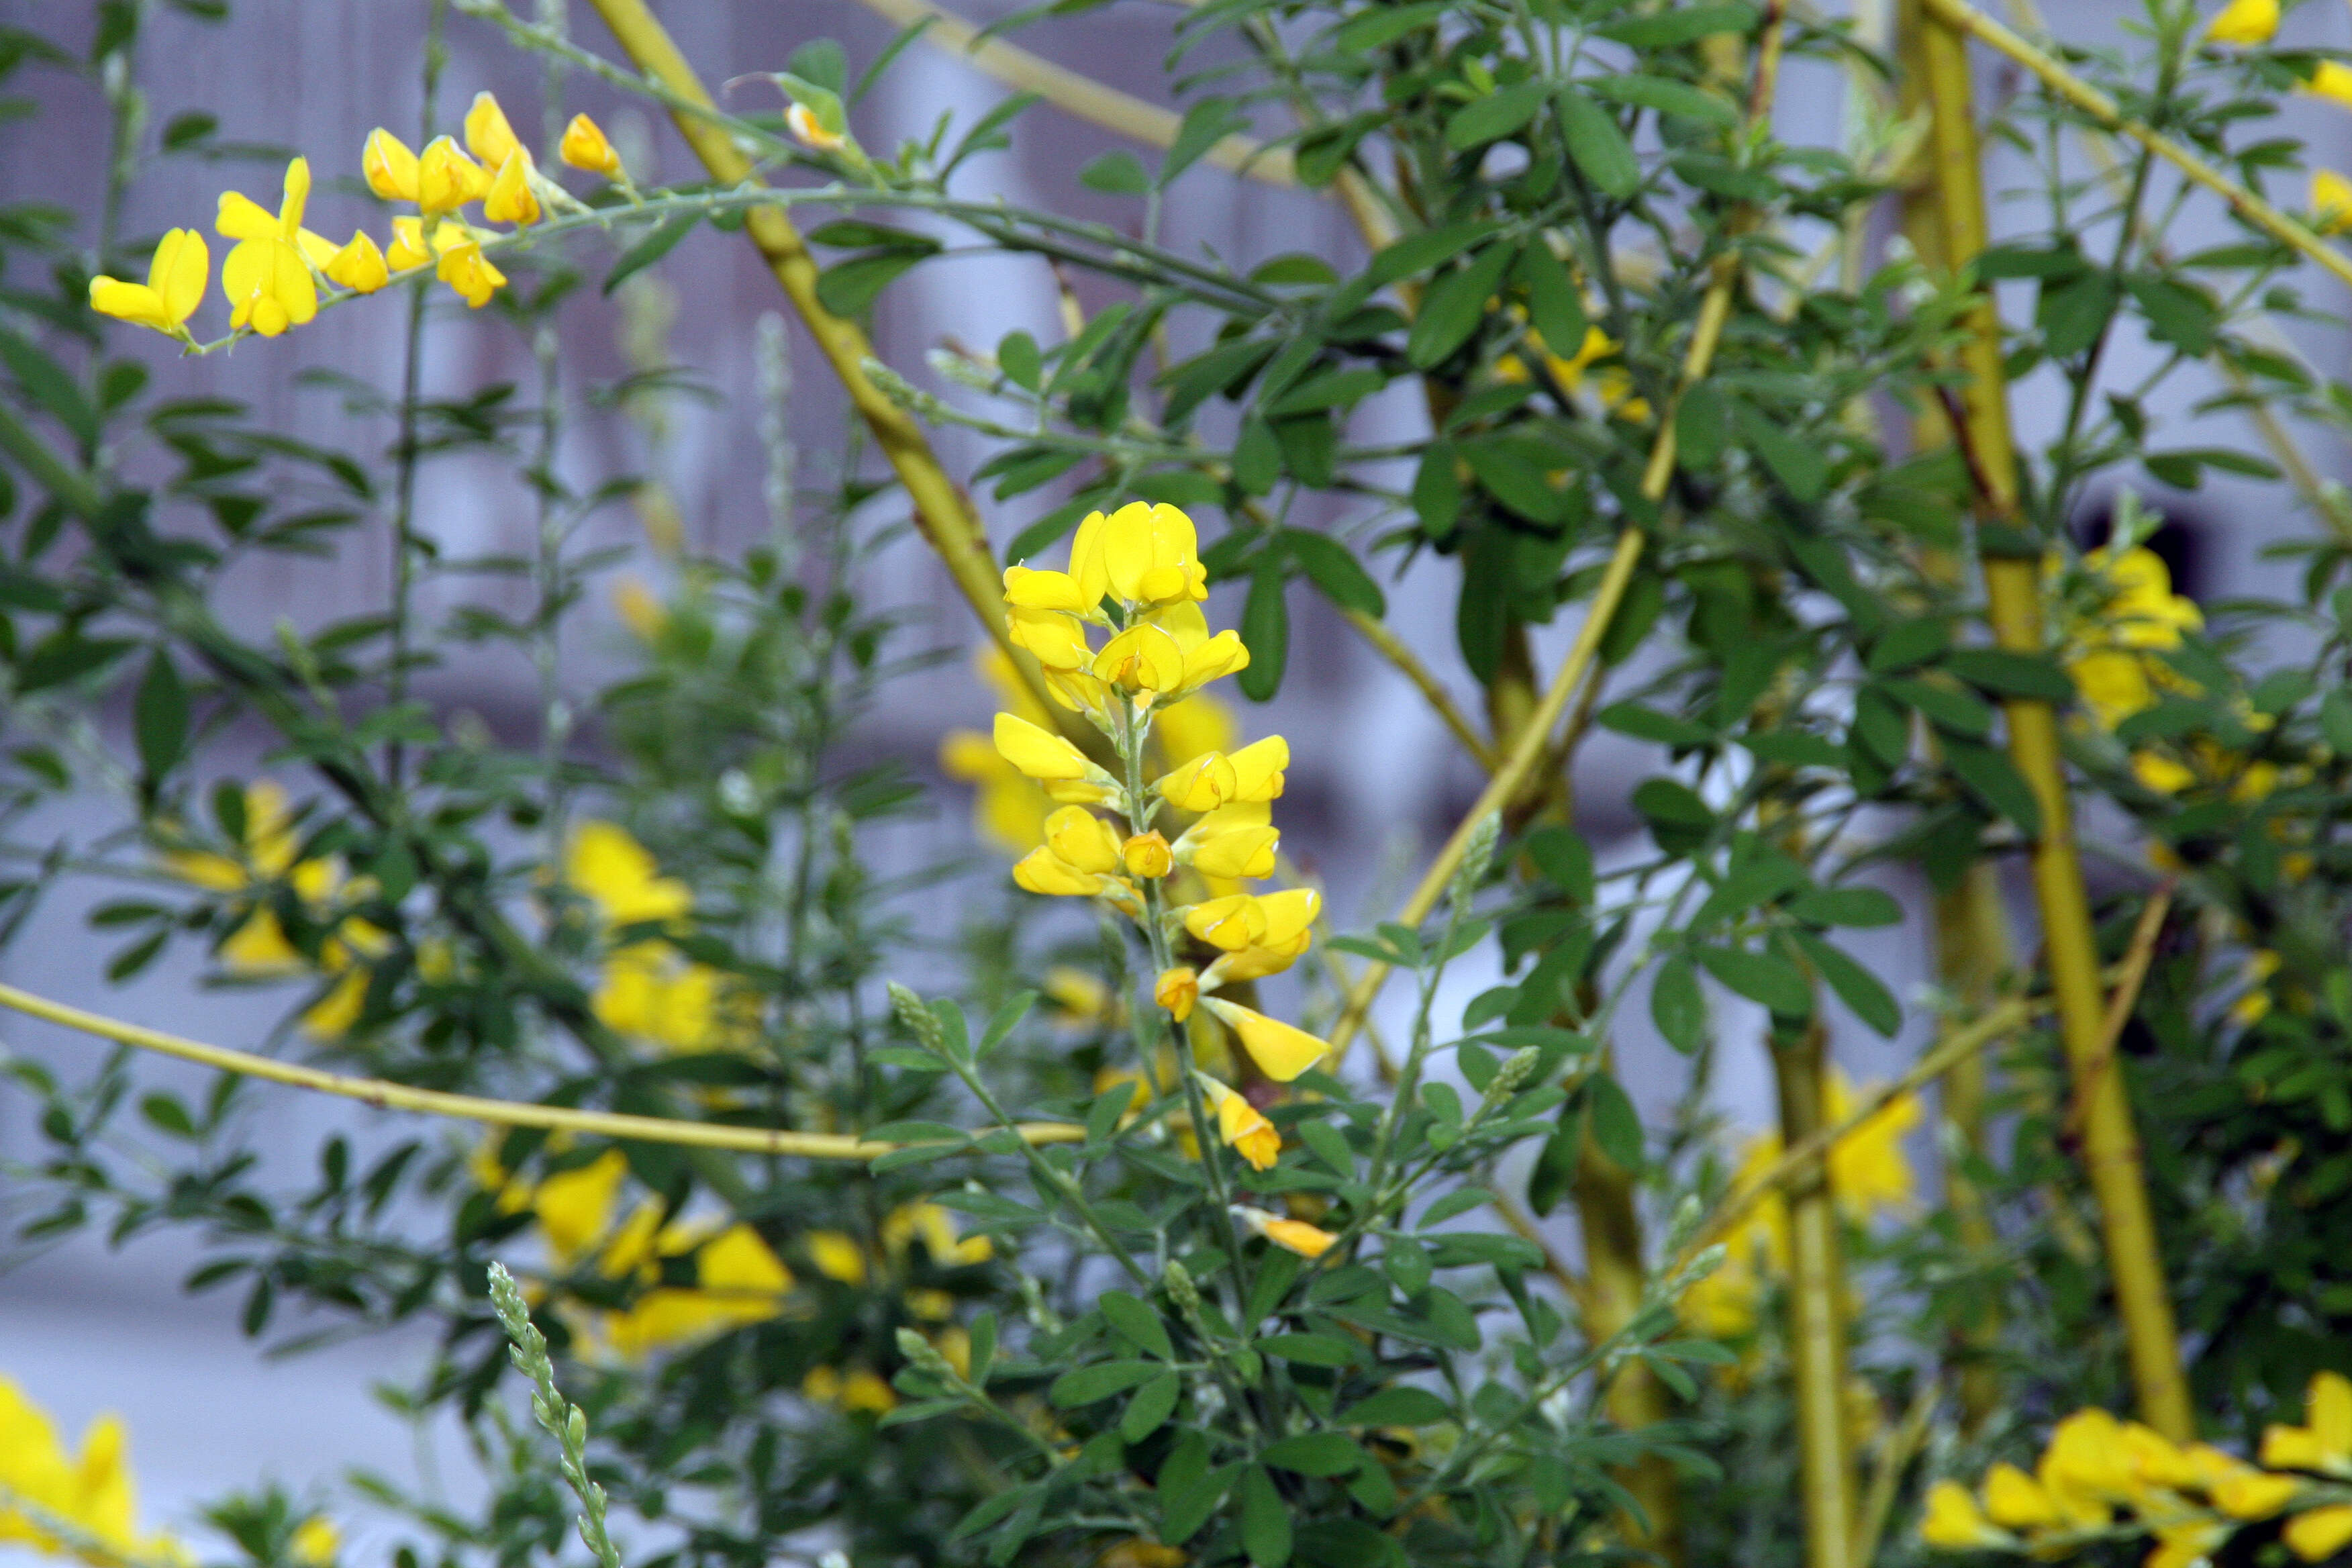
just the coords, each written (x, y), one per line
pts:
(1856, 987)
(2177, 313)
(1379, 26)
(1091, 1385)
(650, 249)
(1846, 907)
(1679, 820)
(857, 233)
(1266, 1519)
(1601, 152)
(984, 1347)
(1765, 977)
(1333, 567)
(1671, 28)
(1309, 1350)
(2335, 721)
(1952, 710)
(1992, 778)
(1208, 121)
(1133, 1317)
(1496, 116)
(2011, 674)
(1399, 1406)
(50, 386)
(1555, 305)
(1118, 174)
(1454, 306)
(849, 287)
(1645, 723)
(1418, 253)
(1796, 462)
(1102, 1117)
(1187, 1501)
(1017, 357)
(1616, 1125)
(1908, 643)
(1666, 96)
(2073, 315)
(1149, 1411)
(1266, 630)
(1333, 389)
(1677, 1006)
(160, 716)
(1565, 860)
(1319, 1454)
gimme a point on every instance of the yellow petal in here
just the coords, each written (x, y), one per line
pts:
(1204, 784)
(1952, 1522)
(296, 199)
(1178, 990)
(1242, 1126)
(359, 265)
(1058, 641)
(1083, 840)
(511, 199)
(408, 248)
(2319, 1534)
(132, 303)
(1031, 590)
(2245, 23)
(2332, 80)
(2328, 1408)
(2014, 1499)
(487, 135)
(446, 179)
(1281, 1051)
(1258, 769)
(389, 165)
(1291, 1235)
(1142, 658)
(1043, 871)
(242, 217)
(1039, 753)
(180, 272)
(584, 147)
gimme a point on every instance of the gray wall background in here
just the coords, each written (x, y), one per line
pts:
(1376, 781)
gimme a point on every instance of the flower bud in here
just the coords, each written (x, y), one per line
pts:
(1178, 990)
(584, 147)
(1147, 855)
(917, 1019)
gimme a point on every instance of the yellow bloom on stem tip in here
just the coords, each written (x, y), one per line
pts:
(359, 265)
(1241, 1125)
(176, 279)
(2331, 202)
(266, 274)
(1953, 1523)
(584, 146)
(1281, 1051)
(2320, 1533)
(487, 135)
(1290, 1234)
(2245, 23)
(804, 124)
(389, 165)
(446, 179)
(464, 269)
(1178, 990)
(1213, 779)
(2323, 1443)
(1080, 859)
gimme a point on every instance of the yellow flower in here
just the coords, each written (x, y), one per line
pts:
(1241, 1125)
(2138, 612)
(2246, 23)
(837, 1256)
(810, 132)
(2250, 1493)
(2186, 1544)
(584, 147)
(2323, 1443)
(2333, 81)
(317, 1541)
(620, 877)
(937, 1228)
(93, 1490)
(1146, 857)
(1080, 1000)
(2254, 1004)
(389, 165)
(1232, 841)
(1080, 859)
(176, 280)
(465, 269)
(861, 1390)
(648, 991)
(359, 265)
(1285, 928)
(2015, 1501)
(1954, 1523)
(1178, 990)
(510, 198)
(1867, 1167)
(1184, 731)
(487, 135)
(1290, 1234)
(1281, 1051)
(408, 247)
(2331, 192)
(2319, 1533)
(446, 179)
(1213, 779)
(1052, 761)
(266, 274)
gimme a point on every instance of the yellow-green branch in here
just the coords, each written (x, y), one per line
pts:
(387, 1096)
(2110, 1149)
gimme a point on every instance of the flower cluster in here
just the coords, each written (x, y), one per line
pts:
(644, 987)
(91, 1492)
(1135, 576)
(2252, 25)
(274, 274)
(2103, 1478)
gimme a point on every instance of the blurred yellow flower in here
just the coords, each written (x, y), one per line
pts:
(860, 1390)
(93, 1491)
(1290, 1234)
(2323, 1443)
(2320, 1533)
(584, 146)
(317, 1541)
(2245, 23)
(1241, 1125)
(937, 1228)
(2331, 194)
(2333, 81)
(647, 989)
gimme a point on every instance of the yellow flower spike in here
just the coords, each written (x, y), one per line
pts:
(1233, 922)
(1234, 841)
(584, 146)
(465, 269)
(510, 199)
(446, 179)
(2320, 1533)
(389, 165)
(837, 1256)
(1281, 1050)
(1178, 990)
(1290, 1234)
(2333, 81)
(177, 277)
(804, 125)
(317, 1541)
(1053, 637)
(1147, 856)
(1954, 1523)
(1043, 871)
(2014, 1500)
(1083, 840)
(2247, 24)
(408, 247)
(1150, 554)
(1242, 1126)
(359, 265)
(487, 135)
(1143, 660)
(2331, 197)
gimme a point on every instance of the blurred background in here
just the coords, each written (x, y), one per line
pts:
(86, 1329)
